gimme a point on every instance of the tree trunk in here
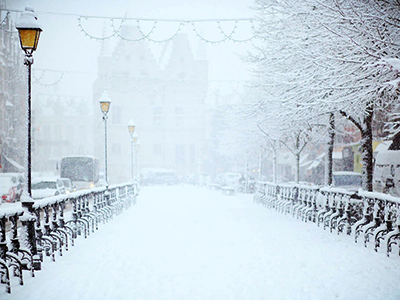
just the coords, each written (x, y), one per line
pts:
(297, 174)
(329, 158)
(297, 156)
(274, 165)
(366, 145)
(367, 150)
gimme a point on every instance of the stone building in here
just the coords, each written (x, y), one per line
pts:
(166, 100)
(12, 97)
(61, 126)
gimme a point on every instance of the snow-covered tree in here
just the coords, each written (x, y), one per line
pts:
(324, 57)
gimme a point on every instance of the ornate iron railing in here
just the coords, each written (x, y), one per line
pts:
(30, 230)
(371, 217)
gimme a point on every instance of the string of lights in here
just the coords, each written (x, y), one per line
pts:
(35, 79)
(39, 79)
(116, 32)
(70, 101)
(113, 34)
(143, 35)
(144, 85)
(230, 36)
(51, 97)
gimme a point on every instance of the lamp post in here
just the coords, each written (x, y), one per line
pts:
(105, 103)
(134, 145)
(29, 32)
(131, 129)
(137, 146)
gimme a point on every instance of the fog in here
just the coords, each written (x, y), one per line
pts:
(66, 82)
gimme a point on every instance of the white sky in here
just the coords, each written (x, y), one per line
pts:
(63, 47)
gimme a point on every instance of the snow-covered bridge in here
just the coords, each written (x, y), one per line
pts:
(187, 242)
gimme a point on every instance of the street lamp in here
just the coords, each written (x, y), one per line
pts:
(29, 32)
(131, 129)
(134, 142)
(137, 146)
(135, 138)
(105, 103)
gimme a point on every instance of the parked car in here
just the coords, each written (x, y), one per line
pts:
(351, 181)
(68, 185)
(43, 187)
(11, 187)
(218, 179)
(387, 170)
(231, 179)
(161, 177)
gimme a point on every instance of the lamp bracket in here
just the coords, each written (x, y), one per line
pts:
(28, 60)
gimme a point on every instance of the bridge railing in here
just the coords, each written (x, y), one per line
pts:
(369, 216)
(32, 229)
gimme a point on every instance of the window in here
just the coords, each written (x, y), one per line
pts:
(192, 153)
(47, 132)
(157, 116)
(83, 132)
(116, 115)
(180, 154)
(157, 149)
(179, 116)
(58, 131)
(71, 131)
(116, 149)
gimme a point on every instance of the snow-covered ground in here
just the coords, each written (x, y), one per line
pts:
(187, 243)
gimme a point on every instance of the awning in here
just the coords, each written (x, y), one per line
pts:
(305, 164)
(16, 165)
(317, 161)
(303, 158)
(337, 155)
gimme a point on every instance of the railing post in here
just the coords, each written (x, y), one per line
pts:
(28, 220)
(15, 244)
(3, 241)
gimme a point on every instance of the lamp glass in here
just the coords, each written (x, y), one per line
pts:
(105, 106)
(29, 38)
(135, 138)
(131, 128)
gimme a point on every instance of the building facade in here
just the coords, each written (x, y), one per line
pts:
(167, 104)
(13, 91)
(62, 126)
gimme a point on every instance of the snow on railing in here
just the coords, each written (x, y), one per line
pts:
(373, 217)
(28, 230)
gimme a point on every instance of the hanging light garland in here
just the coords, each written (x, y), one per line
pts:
(38, 79)
(116, 30)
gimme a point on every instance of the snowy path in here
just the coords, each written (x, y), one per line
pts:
(187, 243)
